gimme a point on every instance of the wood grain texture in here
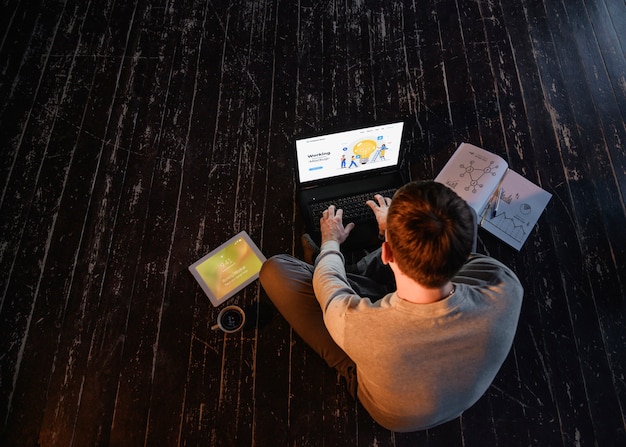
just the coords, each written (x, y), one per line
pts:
(137, 136)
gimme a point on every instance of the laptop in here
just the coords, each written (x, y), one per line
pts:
(346, 169)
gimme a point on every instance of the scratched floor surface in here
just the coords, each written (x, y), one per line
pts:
(136, 136)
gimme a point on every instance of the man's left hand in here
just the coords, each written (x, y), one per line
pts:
(380, 207)
(331, 225)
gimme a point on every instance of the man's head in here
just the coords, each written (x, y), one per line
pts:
(430, 231)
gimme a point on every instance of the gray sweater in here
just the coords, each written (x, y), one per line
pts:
(420, 365)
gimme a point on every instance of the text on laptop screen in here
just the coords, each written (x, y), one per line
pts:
(348, 152)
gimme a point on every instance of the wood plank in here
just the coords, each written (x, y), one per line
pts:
(594, 238)
(602, 132)
(50, 261)
(171, 362)
(582, 309)
(557, 365)
(90, 395)
(138, 360)
(438, 119)
(30, 110)
(271, 218)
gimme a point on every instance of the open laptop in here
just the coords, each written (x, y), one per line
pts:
(350, 165)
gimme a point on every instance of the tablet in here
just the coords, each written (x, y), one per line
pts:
(229, 268)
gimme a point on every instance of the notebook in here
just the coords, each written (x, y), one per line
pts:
(507, 204)
(359, 163)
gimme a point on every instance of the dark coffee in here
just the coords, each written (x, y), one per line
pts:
(231, 320)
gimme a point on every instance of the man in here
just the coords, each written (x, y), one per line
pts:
(417, 346)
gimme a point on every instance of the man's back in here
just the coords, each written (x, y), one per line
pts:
(420, 365)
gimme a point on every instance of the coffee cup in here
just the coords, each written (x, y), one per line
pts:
(230, 319)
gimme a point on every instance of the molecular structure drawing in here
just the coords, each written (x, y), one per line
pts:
(475, 174)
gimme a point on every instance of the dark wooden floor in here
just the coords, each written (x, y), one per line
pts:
(137, 136)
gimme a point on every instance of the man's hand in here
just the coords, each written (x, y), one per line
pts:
(380, 208)
(331, 226)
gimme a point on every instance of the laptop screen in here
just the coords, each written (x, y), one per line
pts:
(342, 153)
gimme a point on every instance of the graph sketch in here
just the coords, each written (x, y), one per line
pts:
(509, 226)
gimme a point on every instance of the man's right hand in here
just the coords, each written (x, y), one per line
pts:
(380, 207)
(331, 226)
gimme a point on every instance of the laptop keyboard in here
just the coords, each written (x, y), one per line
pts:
(354, 207)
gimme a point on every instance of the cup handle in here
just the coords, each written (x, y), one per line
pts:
(215, 327)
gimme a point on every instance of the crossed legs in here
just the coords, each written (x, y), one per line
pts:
(288, 282)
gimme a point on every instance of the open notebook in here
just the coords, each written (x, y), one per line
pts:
(508, 205)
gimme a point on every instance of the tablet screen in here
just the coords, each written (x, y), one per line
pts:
(229, 268)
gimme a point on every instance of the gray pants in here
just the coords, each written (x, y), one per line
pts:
(288, 282)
